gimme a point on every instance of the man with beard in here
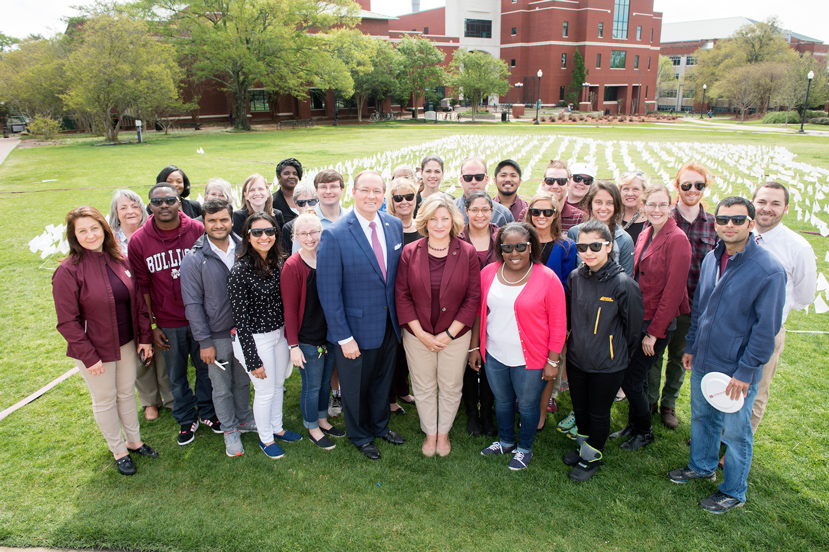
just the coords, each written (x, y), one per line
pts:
(473, 177)
(288, 173)
(556, 177)
(508, 180)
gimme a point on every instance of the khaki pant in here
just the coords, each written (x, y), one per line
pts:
(434, 373)
(769, 369)
(113, 399)
(152, 383)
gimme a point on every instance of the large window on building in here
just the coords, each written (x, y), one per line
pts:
(258, 100)
(564, 61)
(690, 60)
(317, 98)
(621, 15)
(601, 30)
(675, 60)
(514, 31)
(617, 59)
(560, 93)
(639, 32)
(611, 93)
(565, 29)
(636, 62)
(512, 63)
(598, 61)
(478, 28)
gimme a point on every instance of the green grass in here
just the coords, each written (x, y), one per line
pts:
(59, 486)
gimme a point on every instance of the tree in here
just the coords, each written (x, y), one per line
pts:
(761, 41)
(120, 69)
(741, 88)
(6, 42)
(379, 76)
(286, 46)
(32, 77)
(768, 78)
(792, 91)
(420, 67)
(479, 75)
(579, 74)
(665, 79)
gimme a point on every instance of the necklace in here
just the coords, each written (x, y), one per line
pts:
(436, 248)
(632, 219)
(407, 226)
(519, 279)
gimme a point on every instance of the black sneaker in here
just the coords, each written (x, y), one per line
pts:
(188, 433)
(686, 474)
(333, 432)
(719, 503)
(214, 424)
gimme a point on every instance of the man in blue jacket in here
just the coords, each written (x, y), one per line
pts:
(356, 270)
(737, 311)
(204, 291)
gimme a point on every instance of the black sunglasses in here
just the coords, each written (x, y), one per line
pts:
(403, 197)
(687, 186)
(257, 232)
(304, 202)
(738, 220)
(169, 200)
(550, 181)
(588, 180)
(595, 247)
(538, 212)
(478, 177)
(519, 247)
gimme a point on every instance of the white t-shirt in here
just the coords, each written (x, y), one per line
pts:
(502, 339)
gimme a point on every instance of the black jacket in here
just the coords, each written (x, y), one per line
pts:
(604, 318)
(241, 215)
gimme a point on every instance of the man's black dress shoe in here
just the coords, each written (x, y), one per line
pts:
(370, 451)
(393, 438)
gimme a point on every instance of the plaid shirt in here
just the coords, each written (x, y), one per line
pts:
(571, 216)
(703, 238)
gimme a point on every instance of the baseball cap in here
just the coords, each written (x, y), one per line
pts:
(583, 168)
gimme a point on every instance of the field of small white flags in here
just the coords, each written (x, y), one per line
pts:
(738, 169)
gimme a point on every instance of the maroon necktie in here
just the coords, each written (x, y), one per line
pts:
(378, 249)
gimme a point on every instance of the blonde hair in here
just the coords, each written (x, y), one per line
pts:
(654, 188)
(430, 206)
(308, 217)
(396, 185)
(627, 178)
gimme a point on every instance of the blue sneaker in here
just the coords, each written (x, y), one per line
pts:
(567, 423)
(289, 436)
(520, 460)
(271, 451)
(496, 448)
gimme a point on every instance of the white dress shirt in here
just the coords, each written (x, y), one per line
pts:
(798, 259)
(227, 258)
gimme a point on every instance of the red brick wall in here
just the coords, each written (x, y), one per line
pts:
(435, 19)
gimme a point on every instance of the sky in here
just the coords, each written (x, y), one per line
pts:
(21, 18)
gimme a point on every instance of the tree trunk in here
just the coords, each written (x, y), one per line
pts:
(360, 100)
(474, 111)
(788, 111)
(112, 131)
(415, 104)
(240, 103)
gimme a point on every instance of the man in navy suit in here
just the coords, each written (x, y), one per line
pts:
(356, 269)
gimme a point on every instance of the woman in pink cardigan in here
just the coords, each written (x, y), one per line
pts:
(520, 332)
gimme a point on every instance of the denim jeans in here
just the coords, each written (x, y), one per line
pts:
(316, 383)
(709, 426)
(182, 346)
(231, 387)
(509, 383)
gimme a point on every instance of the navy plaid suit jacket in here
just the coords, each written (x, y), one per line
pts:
(355, 298)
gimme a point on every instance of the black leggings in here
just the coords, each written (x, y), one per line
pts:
(635, 382)
(593, 394)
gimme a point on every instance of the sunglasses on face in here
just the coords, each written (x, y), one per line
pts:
(738, 220)
(595, 247)
(519, 247)
(538, 212)
(257, 232)
(588, 180)
(403, 197)
(158, 201)
(685, 186)
(549, 181)
(304, 202)
(478, 177)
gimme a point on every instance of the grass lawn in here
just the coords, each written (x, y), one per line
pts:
(59, 486)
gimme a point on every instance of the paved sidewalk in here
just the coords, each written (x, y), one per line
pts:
(6, 146)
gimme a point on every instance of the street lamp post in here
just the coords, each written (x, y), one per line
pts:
(538, 98)
(704, 88)
(811, 75)
(678, 93)
(519, 85)
(587, 93)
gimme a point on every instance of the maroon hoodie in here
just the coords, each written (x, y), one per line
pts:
(155, 256)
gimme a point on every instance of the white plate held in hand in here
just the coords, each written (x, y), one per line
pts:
(713, 388)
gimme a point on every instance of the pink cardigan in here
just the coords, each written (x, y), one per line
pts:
(540, 311)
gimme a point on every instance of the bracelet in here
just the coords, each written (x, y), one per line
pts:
(553, 363)
(293, 346)
(474, 349)
(450, 335)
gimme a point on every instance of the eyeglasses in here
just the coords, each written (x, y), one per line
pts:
(478, 177)
(304, 202)
(403, 197)
(367, 191)
(538, 212)
(588, 180)
(549, 181)
(257, 232)
(169, 200)
(687, 186)
(595, 247)
(738, 220)
(660, 206)
(519, 247)
(311, 234)
(476, 210)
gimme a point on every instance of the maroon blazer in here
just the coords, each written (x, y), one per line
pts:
(662, 273)
(493, 236)
(460, 287)
(85, 307)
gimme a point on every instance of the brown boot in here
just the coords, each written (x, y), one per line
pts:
(669, 417)
(654, 408)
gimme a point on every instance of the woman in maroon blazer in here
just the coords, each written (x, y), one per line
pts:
(438, 291)
(104, 319)
(661, 264)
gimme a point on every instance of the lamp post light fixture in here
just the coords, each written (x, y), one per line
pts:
(538, 98)
(520, 86)
(586, 91)
(810, 76)
(704, 88)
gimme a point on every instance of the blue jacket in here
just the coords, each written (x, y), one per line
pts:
(736, 316)
(355, 298)
(204, 291)
(562, 259)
